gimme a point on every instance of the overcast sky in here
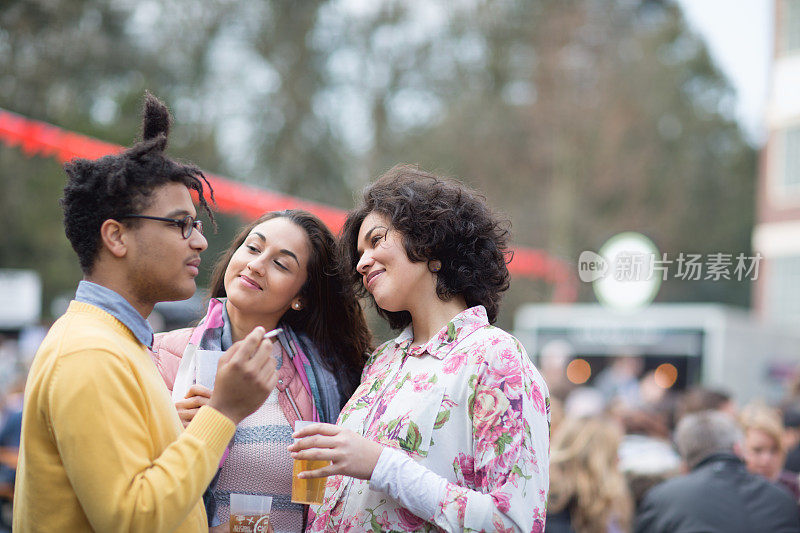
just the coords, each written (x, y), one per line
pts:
(739, 36)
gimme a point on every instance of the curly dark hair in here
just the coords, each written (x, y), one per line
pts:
(439, 220)
(331, 315)
(123, 184)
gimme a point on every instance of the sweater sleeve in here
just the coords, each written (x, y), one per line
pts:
(107, 436)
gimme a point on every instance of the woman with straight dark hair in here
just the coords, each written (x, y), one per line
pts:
(279, 272)
(449, 427)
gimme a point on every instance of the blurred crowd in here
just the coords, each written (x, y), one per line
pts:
(628, 455)
(16, 352)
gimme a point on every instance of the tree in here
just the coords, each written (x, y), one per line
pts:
(577, 118)
(83, 66)
(581, 119)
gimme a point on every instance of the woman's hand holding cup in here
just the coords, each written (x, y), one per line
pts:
(349, 453)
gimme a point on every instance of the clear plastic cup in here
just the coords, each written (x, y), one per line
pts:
(250, 513)
(311, 490)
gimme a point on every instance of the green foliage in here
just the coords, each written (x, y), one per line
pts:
(578, 119)
(30, 216)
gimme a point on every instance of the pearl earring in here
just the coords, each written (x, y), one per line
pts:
(296, 306)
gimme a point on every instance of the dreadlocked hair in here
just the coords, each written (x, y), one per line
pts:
(123, 184)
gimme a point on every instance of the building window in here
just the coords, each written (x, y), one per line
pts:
(790, 179)
(791, 26)
(783, 288)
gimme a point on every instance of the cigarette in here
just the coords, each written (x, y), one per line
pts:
(273, 333)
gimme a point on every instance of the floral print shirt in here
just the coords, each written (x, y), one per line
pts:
(467, 405)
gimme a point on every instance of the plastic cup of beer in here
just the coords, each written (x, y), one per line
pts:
(310, 490)
(250, 513)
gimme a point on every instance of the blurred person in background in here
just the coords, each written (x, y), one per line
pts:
(588, 494)
(553, 360)
(10, 433)
(29, 340)
(102, 446)
(584, 402)
(646, 454)
(717, 493)
(556, 414)
(646, 421)
(651, 392)
(791, 437)
(792, 393)
(698, 399)
(279, 271)
(449, 427)
(763, 450)
(619, 382)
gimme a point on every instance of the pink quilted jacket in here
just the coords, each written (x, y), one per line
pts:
(293, 397)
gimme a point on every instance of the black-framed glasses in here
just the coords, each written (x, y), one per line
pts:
(186, 224)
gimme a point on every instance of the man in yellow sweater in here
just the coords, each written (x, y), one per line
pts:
(102, 445)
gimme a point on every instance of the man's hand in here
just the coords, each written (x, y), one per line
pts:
(196, 397)
(350, 454)
(245, 376)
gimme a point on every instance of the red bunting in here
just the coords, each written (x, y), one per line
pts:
(37, 138)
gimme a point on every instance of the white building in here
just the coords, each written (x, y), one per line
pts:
(777, 232)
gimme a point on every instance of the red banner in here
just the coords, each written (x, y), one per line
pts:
(37, 138)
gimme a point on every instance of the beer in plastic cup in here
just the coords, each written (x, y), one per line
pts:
(310, 490)
(250, 513)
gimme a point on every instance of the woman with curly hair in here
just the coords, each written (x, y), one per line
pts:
(449, 427)
(588, 493)
(280, 271)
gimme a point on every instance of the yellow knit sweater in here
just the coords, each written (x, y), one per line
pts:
(102, 446)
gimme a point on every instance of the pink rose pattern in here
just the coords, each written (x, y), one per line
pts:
(488, 436)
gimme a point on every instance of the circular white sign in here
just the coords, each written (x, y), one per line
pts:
(631, 276)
